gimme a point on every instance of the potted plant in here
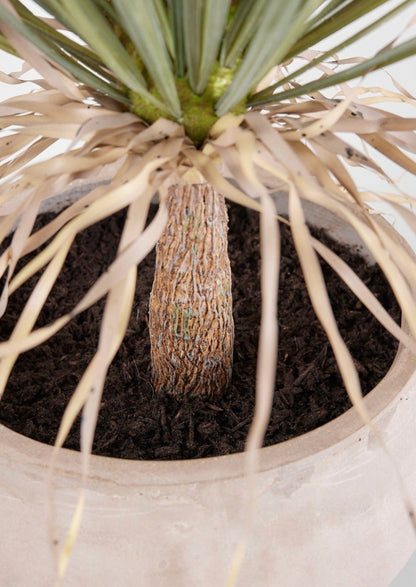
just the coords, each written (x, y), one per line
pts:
(198, 102)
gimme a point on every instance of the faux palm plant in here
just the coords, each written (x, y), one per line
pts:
(194, 101)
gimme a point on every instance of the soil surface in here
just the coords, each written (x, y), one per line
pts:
(134, 422)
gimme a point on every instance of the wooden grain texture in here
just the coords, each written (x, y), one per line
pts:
(190, 315)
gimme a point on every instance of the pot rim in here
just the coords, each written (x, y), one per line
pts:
(394, 387)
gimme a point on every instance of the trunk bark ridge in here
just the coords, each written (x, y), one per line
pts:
(190, 314)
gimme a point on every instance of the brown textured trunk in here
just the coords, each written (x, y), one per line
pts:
(190, 315)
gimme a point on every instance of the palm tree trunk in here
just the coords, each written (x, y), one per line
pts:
(190, 315)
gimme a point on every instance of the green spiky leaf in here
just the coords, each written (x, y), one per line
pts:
(382, 59)
(141, 20)
(257, 99)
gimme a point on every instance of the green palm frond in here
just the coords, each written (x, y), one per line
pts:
(169, 57)
(210, 19)
(331, 20)
(269, 93)
(382, 59)
(279, 20)
(177, 25)
(141, 21)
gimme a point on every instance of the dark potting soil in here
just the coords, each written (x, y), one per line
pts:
(134, 422)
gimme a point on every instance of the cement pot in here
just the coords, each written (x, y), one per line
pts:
(329, 512)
